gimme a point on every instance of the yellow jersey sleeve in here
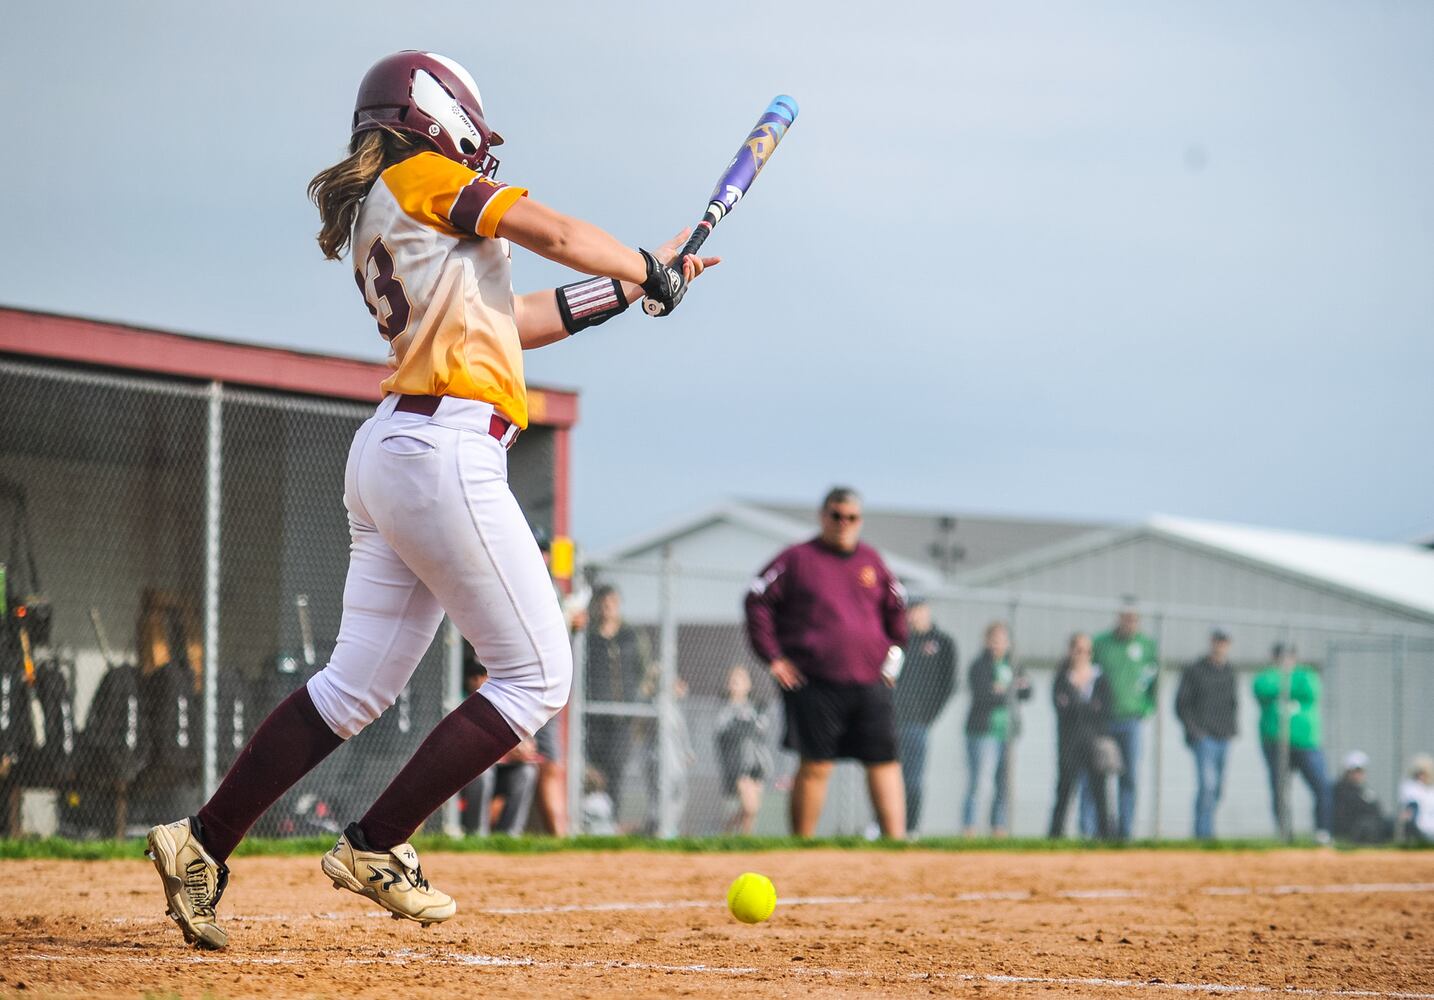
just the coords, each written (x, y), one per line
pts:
(438, 192)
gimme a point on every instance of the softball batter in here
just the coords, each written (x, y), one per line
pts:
(434, 526)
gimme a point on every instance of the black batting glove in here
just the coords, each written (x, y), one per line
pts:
(664, 286)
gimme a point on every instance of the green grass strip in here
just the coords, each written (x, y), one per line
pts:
(55, 848)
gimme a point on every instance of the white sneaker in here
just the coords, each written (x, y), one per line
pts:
(392, 879)
(193, 882)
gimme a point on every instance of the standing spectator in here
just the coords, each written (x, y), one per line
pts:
(1205, 704)
(926, 683)
(742, 749)
(1357, 816)
(995, 685)
(824, 615)
(1128, 659)
(1082, 698)
(1302, 712)
(1416, 800)
(617, 671)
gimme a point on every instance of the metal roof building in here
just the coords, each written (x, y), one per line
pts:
(1216, 565)
(956, 544)
(723, 545)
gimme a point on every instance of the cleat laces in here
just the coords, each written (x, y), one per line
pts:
(417, 880)
(202, 898)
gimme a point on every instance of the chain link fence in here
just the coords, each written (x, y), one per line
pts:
(173, 562)
(682, 727)
(174, 558)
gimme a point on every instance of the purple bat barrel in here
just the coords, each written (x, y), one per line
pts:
(752, 156)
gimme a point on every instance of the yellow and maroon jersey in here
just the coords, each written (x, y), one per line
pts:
(438, 280)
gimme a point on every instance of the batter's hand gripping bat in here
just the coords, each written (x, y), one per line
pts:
(751, 157)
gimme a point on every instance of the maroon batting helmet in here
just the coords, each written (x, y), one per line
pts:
(429, 96)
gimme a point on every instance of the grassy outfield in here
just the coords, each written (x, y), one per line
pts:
(100, 850)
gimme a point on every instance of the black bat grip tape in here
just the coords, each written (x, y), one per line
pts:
(694, 242)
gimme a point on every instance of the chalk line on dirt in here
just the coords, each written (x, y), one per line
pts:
(406, 955)
(857, 900)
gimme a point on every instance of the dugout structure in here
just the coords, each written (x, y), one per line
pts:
(188, 494)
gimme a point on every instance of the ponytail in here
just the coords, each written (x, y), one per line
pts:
(340, 190)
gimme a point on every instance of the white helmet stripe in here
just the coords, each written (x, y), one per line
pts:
(463, 75)
(430, 98)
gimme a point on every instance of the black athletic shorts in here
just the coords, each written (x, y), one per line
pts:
(838, 721)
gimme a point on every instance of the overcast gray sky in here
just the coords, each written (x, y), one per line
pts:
(1094, 260)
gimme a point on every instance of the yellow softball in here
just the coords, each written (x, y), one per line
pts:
(752, 898)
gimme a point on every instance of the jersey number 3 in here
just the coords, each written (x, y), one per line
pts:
(383, 291)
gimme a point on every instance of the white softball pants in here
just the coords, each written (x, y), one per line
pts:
(435, 528)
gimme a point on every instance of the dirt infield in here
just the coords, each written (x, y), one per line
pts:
(859, 923)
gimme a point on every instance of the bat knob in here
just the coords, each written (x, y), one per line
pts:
(652, 307)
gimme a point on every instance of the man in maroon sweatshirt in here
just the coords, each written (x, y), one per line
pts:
(823, 615)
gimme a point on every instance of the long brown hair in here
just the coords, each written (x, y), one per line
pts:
(340, 190)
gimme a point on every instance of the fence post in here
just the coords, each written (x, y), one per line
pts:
(577, 728)
(665, 739)
(1333, 730)
(1400, 642)
(1282, 751)
(452, 697)
(213, 508)
(1013, 731)
(1157, 800)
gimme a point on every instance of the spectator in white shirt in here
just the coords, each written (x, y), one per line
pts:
(1416, 800)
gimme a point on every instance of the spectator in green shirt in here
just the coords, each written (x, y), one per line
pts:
(1127, 659)
(995, 687)
(1301, 708)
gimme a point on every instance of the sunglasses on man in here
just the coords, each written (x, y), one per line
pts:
(843, 518)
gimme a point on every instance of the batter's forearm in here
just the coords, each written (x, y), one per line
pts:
(572, 242)
(538, 319)
(586, 248)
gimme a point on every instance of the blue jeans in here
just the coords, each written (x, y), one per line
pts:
(1309, 764)
(983, 752)
(1210, 782)
(1126, 733)
(911, 747)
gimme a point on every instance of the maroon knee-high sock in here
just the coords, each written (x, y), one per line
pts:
(464, 745)
(287, 745)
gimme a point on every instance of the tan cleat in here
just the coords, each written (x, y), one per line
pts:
(391, 878)
(193, 882)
